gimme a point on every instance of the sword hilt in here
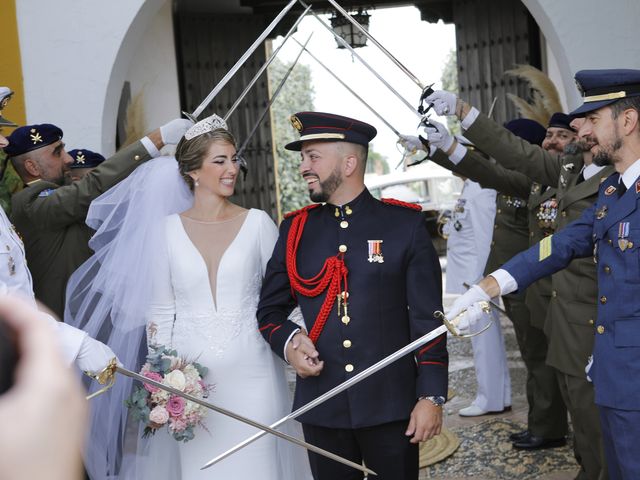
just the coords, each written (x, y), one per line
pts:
(106, 376)
(452, 324)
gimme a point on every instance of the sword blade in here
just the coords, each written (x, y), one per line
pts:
(272, 99)
(380, 117)
(355, 54)
(337, 389)
(205, 103)
(265, 66)
(366, 33)
(265, 429)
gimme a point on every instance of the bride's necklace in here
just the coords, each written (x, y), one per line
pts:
(213, 222)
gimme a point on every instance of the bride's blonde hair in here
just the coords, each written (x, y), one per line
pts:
(190, 153)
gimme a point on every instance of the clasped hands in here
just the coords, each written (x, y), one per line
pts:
(303, 356)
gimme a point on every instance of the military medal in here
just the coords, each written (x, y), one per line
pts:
(375, 251)
(623, 234)
(547, 214)
(514, 202)
(601, 212)
(610, 190)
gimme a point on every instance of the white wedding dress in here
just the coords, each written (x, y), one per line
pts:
(214, 323)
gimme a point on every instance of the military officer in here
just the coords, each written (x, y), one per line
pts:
(469, 233)
(368, 281)
(84, 161)
(605, 231)
(49, 216)
(572, 311)
(9, 180)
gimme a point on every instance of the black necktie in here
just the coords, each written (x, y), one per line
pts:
(621, 188)
(580, 178)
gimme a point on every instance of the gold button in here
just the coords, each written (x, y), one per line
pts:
(337, 214)
(564, 214)
(346, 344)
(493, 243)
(600, 329)
(499, 211)
(136, 158)
(344, 295)
(346, 319)
(591, 321)
(348, 210)
(603, 299)
(607, 269)
(344, 224)
(554, 294)
(630, 245)
(495, 227)
(349, 368)
(609, 241)
(342, 248)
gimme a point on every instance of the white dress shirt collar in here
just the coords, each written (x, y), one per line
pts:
(631, 174)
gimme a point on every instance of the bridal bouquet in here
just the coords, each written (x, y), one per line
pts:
(157, 408)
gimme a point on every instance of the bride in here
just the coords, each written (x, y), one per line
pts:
(172, 249)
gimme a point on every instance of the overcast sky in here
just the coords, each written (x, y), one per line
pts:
(422, 47)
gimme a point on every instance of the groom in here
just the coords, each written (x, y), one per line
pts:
(368, 281)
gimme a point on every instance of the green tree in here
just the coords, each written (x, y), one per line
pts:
(449, 80)
(377, 163)
(296, 96)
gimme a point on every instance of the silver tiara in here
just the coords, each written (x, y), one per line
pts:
(209, 124)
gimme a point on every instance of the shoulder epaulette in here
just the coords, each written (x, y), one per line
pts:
(400, 203)
(303, 209)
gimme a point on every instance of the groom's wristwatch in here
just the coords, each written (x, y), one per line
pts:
(438, 401)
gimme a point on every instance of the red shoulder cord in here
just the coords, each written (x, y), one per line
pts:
(399, 203)
(331, 278)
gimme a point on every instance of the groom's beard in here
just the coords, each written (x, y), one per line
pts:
(327, 187)
(607, 155)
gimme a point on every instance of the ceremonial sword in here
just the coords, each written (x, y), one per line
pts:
(355, 54)
(271, 100)
(366, 33)
(196, 113)
(442, 329)
(265, 66)
(107, 376)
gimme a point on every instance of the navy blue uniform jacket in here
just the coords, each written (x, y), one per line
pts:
(616, 351)
(390, 304)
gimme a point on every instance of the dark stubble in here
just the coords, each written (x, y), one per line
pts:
(327, 187)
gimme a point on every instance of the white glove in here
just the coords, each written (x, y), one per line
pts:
(94, 356)
(587, 368)
(437, 135)
(471, 297)
(469, 320)
(174, 130)
(411, 143)
(444, 103)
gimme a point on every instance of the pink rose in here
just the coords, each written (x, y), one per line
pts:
(159, 415)
(153, 376)
(175, 406)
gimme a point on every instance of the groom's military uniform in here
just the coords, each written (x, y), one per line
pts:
(368, 282)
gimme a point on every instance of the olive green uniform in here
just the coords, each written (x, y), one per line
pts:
(573, 307)
(51, 222)
(547, 416)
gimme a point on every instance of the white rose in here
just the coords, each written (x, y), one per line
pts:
(160, 396)
(191, 373)
(159, 415)
(175, 379)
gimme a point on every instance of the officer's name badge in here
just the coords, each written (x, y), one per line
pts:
(375, 251)
(610, 190)
(545, 248)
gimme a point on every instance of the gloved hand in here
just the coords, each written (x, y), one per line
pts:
(469, 299)
(94, 356)
(411, 143)
(174, 130)
(437, 135)
(469, 320)
(444, 103)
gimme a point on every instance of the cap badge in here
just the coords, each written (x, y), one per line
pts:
(35, 136)
(375, 251)
(80, 158)
(297, 124)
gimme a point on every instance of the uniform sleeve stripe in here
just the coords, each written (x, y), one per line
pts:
(433, 363)
(545, 248)
(274, 331)
(430, 345)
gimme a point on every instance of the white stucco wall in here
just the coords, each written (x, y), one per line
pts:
(153, 71)
(588, 34)
(75, 57)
